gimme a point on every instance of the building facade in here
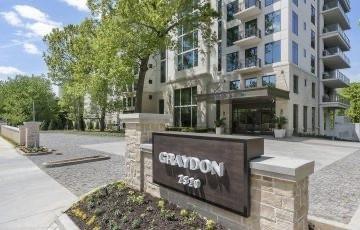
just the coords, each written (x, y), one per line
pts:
(272, 58)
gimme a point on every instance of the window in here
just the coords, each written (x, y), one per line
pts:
(231, 9)
(134, 101)
(219, 8)
(250, 83)
(295, 2)
(232, 35)
(129, 101)
(185, 107)
(304, 53)
(313, 14)
(150, 97)
(295, 23)
(313, 89)
(269, 81)
(295, 53)
(188, 51)
(219, 30)
(304, 25)
(234, 85)
(232, 61)
(163, 71)
(295, 118)
(124, 102)
(313, 64)
(312, 39)
(296, 84)
(305, 82)
(150, 81)
(219, 56)
(273, 52)
(161, 106)
(313, 114)
(270, 2)
(272, 22)
(305, 118)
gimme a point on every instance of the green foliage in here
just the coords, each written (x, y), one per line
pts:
(220, 122)
(97, 126)
(353, 94)
(52, 125)
(91, 125)
(136, 224)
(280, 121)
(161, 204)
(184, 213)
(17, 97)
(210, 225)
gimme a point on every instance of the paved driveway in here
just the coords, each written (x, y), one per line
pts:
(29, 198)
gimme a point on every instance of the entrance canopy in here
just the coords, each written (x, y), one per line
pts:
(268, 93)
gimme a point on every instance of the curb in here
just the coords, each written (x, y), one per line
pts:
(321, 223)
(64, 222)
(75, 161)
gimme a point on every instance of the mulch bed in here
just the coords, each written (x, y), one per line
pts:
(119, 207)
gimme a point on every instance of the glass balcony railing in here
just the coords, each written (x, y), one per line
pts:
(337, 75)
(248, 4)
(251, 32)
(336, 28)
(335, 51)
(336, 4)
(250, 62)
(335, 98)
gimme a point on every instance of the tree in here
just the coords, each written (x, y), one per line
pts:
(353, 94)
(18, 95)
(138, 29)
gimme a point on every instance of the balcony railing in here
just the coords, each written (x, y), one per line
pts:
(336, 28)
(248, 4)
(334, 4)
(336, 75)
(336, 98)
(251, 32)
(335, 51)
(250, 62)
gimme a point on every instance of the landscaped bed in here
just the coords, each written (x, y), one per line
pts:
(119, 207)
(34, 151)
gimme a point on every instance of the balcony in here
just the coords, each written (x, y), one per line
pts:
(335, 79)
(335, 58)
(334, 36)
(248, 9)
(249, 37)
(335, 101)
(250, 65)
(333, 13)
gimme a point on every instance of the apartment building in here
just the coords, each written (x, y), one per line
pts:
(273, 57)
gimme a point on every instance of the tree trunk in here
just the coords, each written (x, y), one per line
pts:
(140, 84)
(102, 119)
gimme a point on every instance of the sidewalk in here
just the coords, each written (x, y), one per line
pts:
(30, 199)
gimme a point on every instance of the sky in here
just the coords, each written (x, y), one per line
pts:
(23, 23)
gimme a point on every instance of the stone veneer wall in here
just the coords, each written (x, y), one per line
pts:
(275, 203)
(11, 133)
(27, 134)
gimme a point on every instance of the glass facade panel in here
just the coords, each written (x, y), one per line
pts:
(232, 61)
(235, 85)
(250, 83)
(231, 9)
(232, 35)
(272, 52)
(273, 22)
(269, 81)
(185, 107)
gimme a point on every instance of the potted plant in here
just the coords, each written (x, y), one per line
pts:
(280, 132)
(219, 124)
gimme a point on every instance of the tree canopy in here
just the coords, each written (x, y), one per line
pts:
(353, 94)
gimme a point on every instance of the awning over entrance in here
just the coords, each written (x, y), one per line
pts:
(267, 93)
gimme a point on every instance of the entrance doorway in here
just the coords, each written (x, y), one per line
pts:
(253, 118)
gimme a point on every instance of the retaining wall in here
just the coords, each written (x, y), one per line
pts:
(11, 133)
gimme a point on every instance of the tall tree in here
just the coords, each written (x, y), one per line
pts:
(140, 28)
(353, 94)
(18, 95)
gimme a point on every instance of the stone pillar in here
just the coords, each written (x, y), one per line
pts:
(32, 134)
(22, 135)
(138, 130)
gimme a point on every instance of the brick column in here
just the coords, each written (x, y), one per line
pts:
(138, 130)
(32, 134)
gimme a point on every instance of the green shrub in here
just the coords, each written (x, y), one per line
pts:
(136, 223)
(52, 125)
(91, 125)
(44, 125)
(97, 125)
(210, 225)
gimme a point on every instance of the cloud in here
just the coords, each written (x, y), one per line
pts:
(12, 18)
(78, 4)
(31, 48)
(40, 28)
(29, 12)
(8, 71)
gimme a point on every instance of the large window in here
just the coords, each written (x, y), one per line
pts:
(313, 14)
(305, 118)
(163, 67)
(232, 61)
(295, 53)
(313, 64)
(270, 2)
(219, 30)
(295, 2)
(312, 39)
(219, 8)
(231, 9)
(161, 106)
(295, 118)
(313, 90)
(250, 83)
(185, 107)
(235, 85)
(232, 35)
(219, 56)
(313, 114)
(273, 52)
(269, 81)
(295, 23)
(296, 84)
(188, 50)
(272, 22)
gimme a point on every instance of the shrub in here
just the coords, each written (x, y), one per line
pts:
(52, 125)
(91, 125)
(210, 225)
(97, 125)
(44, 125)
(184, 213)
(136, 223)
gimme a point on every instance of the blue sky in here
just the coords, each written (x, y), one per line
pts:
(24, 22)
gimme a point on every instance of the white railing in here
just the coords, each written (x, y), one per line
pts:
(335, 51)
(336, 75)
